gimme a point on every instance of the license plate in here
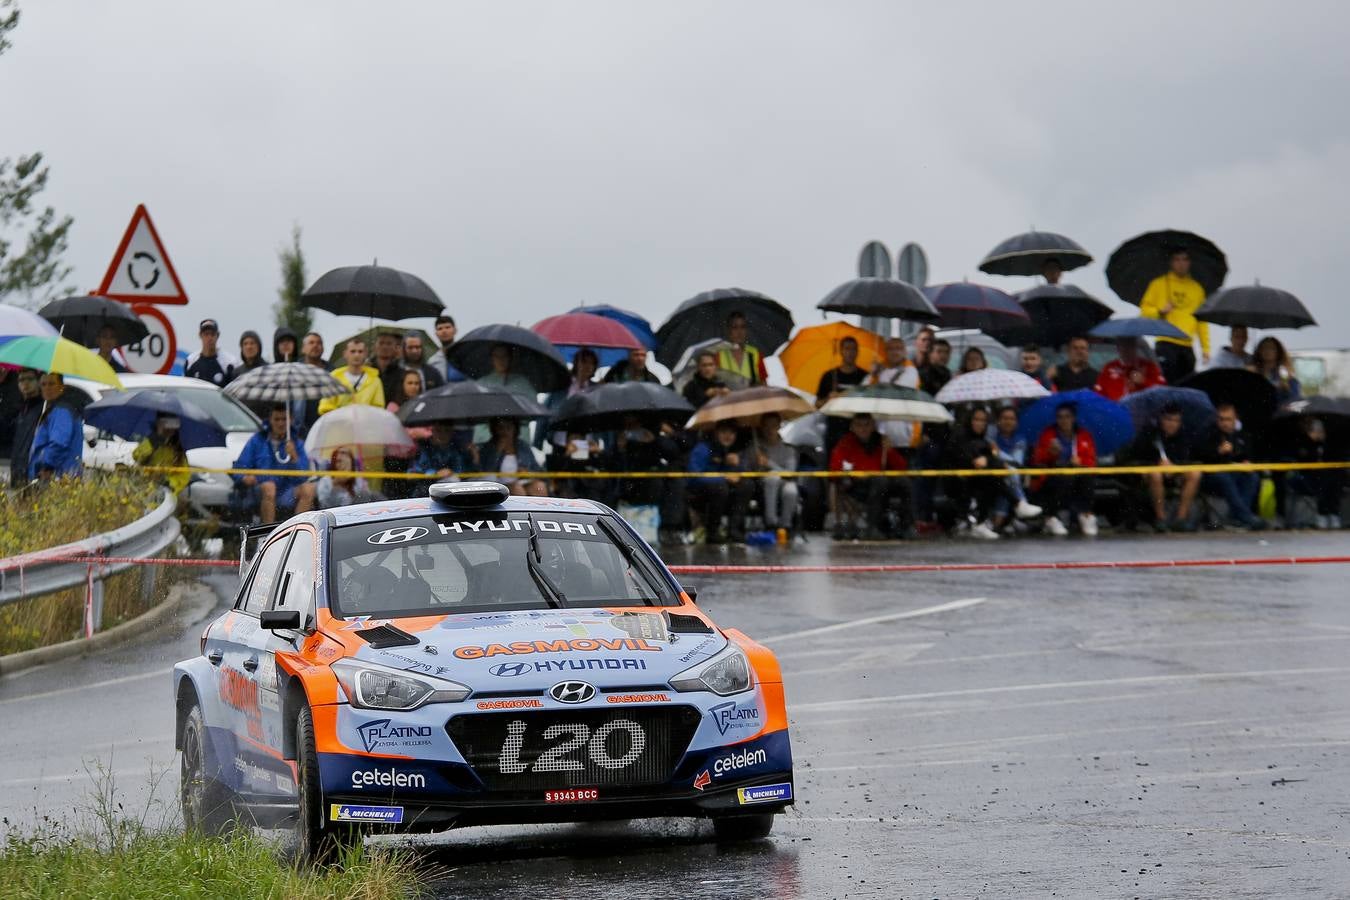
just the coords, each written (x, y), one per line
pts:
(572, 796)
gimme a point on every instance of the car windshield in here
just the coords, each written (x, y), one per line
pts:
(477, 562)
(226, 411)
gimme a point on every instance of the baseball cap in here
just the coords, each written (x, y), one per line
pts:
(208, 325)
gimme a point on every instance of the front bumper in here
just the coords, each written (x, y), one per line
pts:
(438, 814)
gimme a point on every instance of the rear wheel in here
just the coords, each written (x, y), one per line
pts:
(316, 841)
(730, 829)
(204, 800)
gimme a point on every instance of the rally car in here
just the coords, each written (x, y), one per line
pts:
(472, 658)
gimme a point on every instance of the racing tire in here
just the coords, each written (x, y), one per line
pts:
(205, 802)
(733, 829)
(316, 841)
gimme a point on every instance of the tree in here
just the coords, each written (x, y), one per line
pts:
(287, 311)
(32, 238)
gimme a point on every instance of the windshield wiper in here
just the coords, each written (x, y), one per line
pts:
(533, 559)
(631, 556)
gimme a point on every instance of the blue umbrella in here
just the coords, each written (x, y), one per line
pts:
(1106, 420)
(1197, 412)
(131, 415)
(965, 305)
(1138, 327)
(641, 328)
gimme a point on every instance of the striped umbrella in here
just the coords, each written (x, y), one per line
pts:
(985, 385)
(56, 354)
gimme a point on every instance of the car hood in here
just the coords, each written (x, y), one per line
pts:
(533, 650)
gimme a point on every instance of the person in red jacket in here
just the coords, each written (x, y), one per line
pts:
(1129, 373)
(1064, 444)
(864, 449)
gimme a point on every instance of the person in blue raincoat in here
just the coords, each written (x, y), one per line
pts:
(58, 442)
(274, 446)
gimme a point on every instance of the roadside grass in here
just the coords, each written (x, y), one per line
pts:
(110, 852)
(64, 511)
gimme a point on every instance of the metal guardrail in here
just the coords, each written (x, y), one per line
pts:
(70, 565)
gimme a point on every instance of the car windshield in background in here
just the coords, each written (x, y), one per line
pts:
(227, 412)
(485, 561)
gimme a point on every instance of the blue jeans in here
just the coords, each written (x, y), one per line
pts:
(1238, 490)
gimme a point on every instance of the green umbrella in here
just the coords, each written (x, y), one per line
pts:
(56, 354)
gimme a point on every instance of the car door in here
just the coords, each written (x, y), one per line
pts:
(242, 646)
(294, 590)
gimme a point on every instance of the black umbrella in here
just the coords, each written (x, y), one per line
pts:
(1256, 306)
(1027, 254)
(881, 297)
(532, 355)
(1061, 311)
(966, 305)
(704, 317)
(1333, 411)
(1252, 394)
(80, 319)
(1141, 259)
(604, 408)
(373, 292)
(469, 401)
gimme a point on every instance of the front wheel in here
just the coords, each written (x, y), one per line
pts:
(204, 800)
(731, 829)
(316, 840)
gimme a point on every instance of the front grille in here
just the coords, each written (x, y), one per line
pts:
(522, 751)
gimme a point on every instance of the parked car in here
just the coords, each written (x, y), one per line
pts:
(209, 490)
(1322, 371)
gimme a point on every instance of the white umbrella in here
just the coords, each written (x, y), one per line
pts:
(368, 429)
(984, 385)
(888, 403)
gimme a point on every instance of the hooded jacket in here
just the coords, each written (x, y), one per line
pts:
(246, 365)
(58, 442)
(277, 355)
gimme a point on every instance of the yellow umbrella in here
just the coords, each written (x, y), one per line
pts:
(814, 351)
(56, 354)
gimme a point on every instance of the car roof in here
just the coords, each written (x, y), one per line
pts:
(418, 506)
(132, 381)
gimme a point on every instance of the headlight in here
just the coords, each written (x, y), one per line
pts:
(726, 673)
(374, 687)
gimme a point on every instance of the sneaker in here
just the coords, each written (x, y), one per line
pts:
(1334, 522)
(1160, 526)
(1088, 523)
(1026, 510)
(1185, 527)
(1256, 524)
(1054, 525)
(982, 531)
(1320, 523)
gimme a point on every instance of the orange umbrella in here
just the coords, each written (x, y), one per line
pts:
(814, 351)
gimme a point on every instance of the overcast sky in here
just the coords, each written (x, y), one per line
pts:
(525, 157)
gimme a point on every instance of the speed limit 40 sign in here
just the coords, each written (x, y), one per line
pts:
(155, 353)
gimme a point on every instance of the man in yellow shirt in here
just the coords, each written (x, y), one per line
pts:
(361, 378)
(1176, 297)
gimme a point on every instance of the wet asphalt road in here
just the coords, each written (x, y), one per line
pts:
(1180, 733)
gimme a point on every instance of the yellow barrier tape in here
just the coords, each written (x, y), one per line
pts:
(996, 472)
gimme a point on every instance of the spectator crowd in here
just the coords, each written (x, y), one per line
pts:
(718, 500)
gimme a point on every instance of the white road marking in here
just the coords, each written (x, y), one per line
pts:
(873, 620)
(798, 708)
(93, 685)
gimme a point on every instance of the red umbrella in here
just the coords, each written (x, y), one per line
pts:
(580, 329)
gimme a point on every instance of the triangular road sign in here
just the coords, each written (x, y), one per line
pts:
(140, 271)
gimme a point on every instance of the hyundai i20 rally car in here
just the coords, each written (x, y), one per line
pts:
(473, 658)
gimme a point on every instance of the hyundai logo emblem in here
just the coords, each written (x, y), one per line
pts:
(396, 535)
(571, 692)
(509, 670)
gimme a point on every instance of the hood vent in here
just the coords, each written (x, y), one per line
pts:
(382, 637)
(678, 624)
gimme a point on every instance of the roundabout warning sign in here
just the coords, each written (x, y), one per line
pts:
(140, 271)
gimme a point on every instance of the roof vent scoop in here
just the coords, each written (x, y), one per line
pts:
(468, 494)
(382, 637)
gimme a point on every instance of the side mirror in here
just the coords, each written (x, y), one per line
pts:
(280, 619)
(692, 592)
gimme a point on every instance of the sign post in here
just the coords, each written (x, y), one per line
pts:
(142, 275)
